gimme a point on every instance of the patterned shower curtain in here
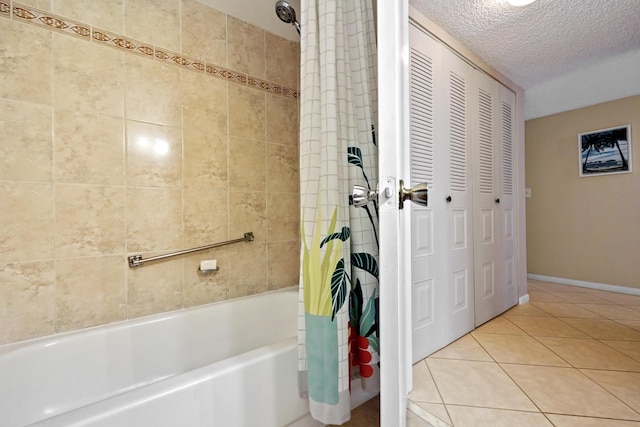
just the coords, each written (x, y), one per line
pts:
(338, 323)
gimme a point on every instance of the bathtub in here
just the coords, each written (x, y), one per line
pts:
(226, 364)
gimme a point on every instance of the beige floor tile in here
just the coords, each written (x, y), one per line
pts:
(527, 309)
(534, 285)
(472, 383)
(414, 420)
(465, 348)
(630, 348)
(424, 389)
(486, 417)
(605, 329)
(434, 413)
(624, 299)
(566, 309)
(541, 296)
(572, 421)
(635, 324)
(556, 287)
(590, 353)
(580, 298)
(546, 327)
(623, 385)
(613, 311)
(604, 393)
(500, 325)
(518, 349)
(567, 391)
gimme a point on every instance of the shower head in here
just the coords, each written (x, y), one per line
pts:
(287, 14)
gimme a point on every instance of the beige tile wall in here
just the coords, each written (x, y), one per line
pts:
(140, 127)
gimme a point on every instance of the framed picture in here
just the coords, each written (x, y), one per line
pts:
(605, 151)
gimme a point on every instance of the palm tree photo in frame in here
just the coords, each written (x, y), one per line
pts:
(605, 151)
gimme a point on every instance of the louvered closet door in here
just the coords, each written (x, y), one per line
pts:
(485, 199)
(456, 140)
(442, 292)
(506, 210)
(428, 256)
(494, 269)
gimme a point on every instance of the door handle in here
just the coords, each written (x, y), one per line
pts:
(361, 195)
(497, 200)
(449, 199)
(418, 194)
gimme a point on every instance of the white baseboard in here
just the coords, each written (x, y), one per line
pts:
(583, 284)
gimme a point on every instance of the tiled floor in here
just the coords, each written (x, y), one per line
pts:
(368, 415)
(568, 358)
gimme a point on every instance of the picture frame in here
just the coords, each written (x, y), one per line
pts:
(605, 151)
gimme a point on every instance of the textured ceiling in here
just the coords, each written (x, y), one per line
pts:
(541, 41)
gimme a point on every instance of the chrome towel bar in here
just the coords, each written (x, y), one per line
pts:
(137, 260)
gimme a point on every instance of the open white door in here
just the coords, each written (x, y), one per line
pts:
(395, 290)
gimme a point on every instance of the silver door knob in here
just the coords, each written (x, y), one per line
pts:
(418, 194)
(361, 195)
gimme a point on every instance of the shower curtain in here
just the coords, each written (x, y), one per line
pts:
(338, 322)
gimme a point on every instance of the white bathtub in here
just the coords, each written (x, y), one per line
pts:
(224, 364)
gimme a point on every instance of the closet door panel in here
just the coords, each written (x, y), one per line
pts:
(486, 199)
(428, 255)
(506, 249)
(455, 143)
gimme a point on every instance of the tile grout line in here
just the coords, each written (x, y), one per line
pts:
(435, 383)
(571, 366)
(426, 415)
(507, 374)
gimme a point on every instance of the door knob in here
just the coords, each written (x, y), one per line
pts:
(418, 194)
(449, 199)
(497, 200)
(361, 195)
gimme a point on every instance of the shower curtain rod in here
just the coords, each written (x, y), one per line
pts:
(137, 260)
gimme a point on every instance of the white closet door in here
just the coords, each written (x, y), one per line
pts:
(442, 292)
(506, 212)
(428, 256)
(455, 140)
(486, 199)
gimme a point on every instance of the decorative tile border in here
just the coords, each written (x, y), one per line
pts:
(119, 42)
(264, 85)
(179, 59)
(225, 73)
(289, 93)
(23, 13)
(5, 9)
(50, 21)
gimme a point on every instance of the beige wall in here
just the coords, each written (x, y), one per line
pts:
(588, 228)
(173, 126)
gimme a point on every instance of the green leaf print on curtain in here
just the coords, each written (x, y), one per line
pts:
(318, 268)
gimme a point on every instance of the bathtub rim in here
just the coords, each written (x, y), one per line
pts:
(18, 347)
(97, 411)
